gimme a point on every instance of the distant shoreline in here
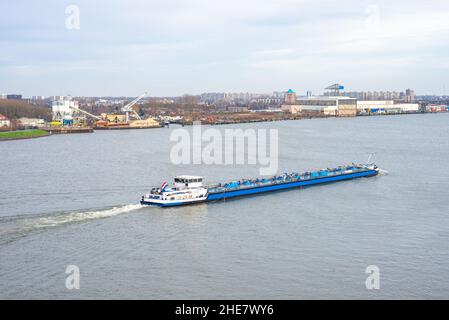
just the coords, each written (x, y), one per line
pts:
(308, 117)
(39, 133)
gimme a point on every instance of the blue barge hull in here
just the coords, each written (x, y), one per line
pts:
(288, 185)
(189, 189)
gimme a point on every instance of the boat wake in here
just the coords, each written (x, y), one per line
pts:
(12, 228)
(383, 172)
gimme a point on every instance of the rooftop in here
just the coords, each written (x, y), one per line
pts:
(327, 98)
(188, 177)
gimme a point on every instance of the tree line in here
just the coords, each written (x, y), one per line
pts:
(14, 109)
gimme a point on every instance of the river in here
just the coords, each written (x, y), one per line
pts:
(74, 200)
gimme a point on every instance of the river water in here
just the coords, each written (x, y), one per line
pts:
(73, 200)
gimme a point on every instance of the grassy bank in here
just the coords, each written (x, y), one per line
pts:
(22, 134)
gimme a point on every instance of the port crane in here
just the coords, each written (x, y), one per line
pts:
(335, 89)
(128, 108)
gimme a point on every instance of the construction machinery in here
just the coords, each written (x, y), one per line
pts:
(85, 112)
(65, 111)
(120, 121)
(129, 108)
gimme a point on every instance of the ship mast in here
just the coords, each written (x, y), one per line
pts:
(370, 156)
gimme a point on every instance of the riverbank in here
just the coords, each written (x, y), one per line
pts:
(67, 130)
(23, 134)
(28, 134)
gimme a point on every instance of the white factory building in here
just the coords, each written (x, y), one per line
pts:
(385, 106)
(31, 122)
(329, 105)
(63, 107)
(347, 106)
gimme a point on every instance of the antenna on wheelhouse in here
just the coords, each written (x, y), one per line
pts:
(370, 156)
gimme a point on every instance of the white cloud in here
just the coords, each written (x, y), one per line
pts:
(246, 45)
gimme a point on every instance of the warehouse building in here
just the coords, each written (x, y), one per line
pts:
(343, 106)
(31, 122)
(385, 107)
(407, 107)
(332, 106)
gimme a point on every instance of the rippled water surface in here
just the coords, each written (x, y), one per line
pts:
(73, 200)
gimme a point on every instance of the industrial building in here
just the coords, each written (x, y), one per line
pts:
(348, 107)
(385, 106)
(66, 112)
(334, 103)
(333, 106)
(63, 108)
(32, 122)
(374, 95)
(407, 107)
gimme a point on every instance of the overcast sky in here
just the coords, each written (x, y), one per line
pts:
(172, 47)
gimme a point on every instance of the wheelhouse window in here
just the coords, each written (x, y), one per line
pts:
(181, 180)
